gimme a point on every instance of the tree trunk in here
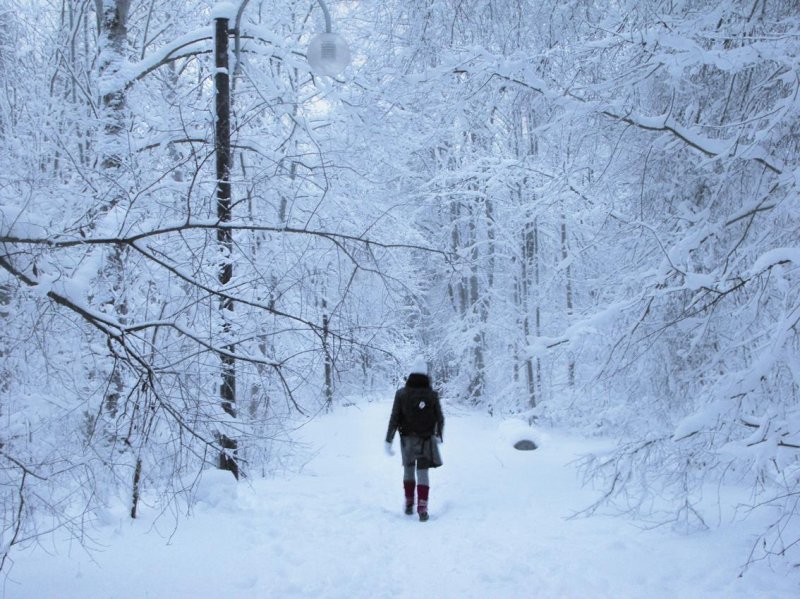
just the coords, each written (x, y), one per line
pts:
(477, 378)
(222, 148)
(113, 43)
(529, 263)
(137, 477)
(568, 274)
(326, 352)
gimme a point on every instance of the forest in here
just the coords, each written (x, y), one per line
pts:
(583, 213)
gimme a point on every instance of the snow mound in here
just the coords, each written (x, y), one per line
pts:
(217, 489)
(519, 435)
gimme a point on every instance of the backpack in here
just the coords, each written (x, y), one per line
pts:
(420, 414)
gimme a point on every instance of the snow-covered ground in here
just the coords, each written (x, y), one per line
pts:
(498, 528)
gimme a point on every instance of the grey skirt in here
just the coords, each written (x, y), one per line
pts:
(422, 451)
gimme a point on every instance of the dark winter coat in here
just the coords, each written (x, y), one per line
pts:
(416, 411)
(417, 414)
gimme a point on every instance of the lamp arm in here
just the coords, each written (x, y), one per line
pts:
(327, 14)
(237, 41)
(321, 3)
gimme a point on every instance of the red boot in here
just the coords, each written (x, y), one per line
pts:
(422, 503)
(408, 486)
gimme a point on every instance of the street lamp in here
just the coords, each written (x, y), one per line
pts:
(328, 54)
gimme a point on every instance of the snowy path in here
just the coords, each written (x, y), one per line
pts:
(335, 530)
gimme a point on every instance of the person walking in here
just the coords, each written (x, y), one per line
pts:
(417, 415)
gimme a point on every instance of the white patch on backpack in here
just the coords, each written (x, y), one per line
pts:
(422, 405)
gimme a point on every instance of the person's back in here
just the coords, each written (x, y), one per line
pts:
(418, 410)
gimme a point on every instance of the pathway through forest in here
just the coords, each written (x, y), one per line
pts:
(499, 528)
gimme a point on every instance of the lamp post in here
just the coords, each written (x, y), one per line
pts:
(327, 54)
(222, 151)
